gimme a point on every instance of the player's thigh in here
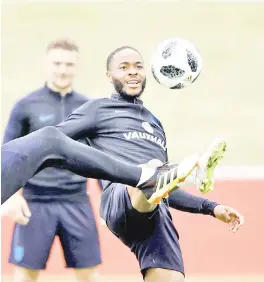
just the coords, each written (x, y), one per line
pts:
(78, 234)
(161, 274)
(22, 274)
(89, 274)
(31, 243)
(161, 248)
(121, 218)
(113, 208)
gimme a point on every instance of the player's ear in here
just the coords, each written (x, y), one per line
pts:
(109, 77)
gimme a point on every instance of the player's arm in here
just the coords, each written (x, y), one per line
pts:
(82, 122)
(17, 125)
(16, 207)
(184, 201)
(187, 202)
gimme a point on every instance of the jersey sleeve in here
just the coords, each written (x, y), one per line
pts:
(17, 125)
(184, 201)
(82, 122)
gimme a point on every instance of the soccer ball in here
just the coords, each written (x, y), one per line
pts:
(176, 63)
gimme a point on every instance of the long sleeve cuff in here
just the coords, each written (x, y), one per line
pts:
(184, 201)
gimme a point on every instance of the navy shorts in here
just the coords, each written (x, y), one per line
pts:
(73, 223)
(152, 237)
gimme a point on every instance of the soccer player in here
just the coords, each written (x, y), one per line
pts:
(124, 129)
(54, 202)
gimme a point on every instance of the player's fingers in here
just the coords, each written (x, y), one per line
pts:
(238, 218)
(25, 209)
(241, 220)
(236, 214)
(21, 219)
(232, 225)
(236, 225)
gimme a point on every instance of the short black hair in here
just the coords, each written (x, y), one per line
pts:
(110, 57)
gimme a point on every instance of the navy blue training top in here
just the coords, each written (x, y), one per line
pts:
(125, 129)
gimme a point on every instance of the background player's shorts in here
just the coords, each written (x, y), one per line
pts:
(152, 237)
(73, 223)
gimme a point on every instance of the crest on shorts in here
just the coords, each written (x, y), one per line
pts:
(18, 253)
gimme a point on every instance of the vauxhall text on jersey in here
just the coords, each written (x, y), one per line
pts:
(119, 127)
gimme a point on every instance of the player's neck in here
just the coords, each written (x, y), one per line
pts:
(62, 92)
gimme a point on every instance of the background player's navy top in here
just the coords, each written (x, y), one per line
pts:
(41, 108)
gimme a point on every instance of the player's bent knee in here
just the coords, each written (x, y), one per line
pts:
(22, 274)
(89, 274)
(51, 132)
(139, 201)
(54, 136)
(161, 274)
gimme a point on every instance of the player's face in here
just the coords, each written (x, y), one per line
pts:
(127, 73)
(62, 67)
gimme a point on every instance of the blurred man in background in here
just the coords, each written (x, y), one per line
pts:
(63, 208)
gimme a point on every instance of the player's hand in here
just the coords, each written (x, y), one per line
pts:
(230, 216)
(17, 209)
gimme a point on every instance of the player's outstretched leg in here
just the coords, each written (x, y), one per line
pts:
(22, 158)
